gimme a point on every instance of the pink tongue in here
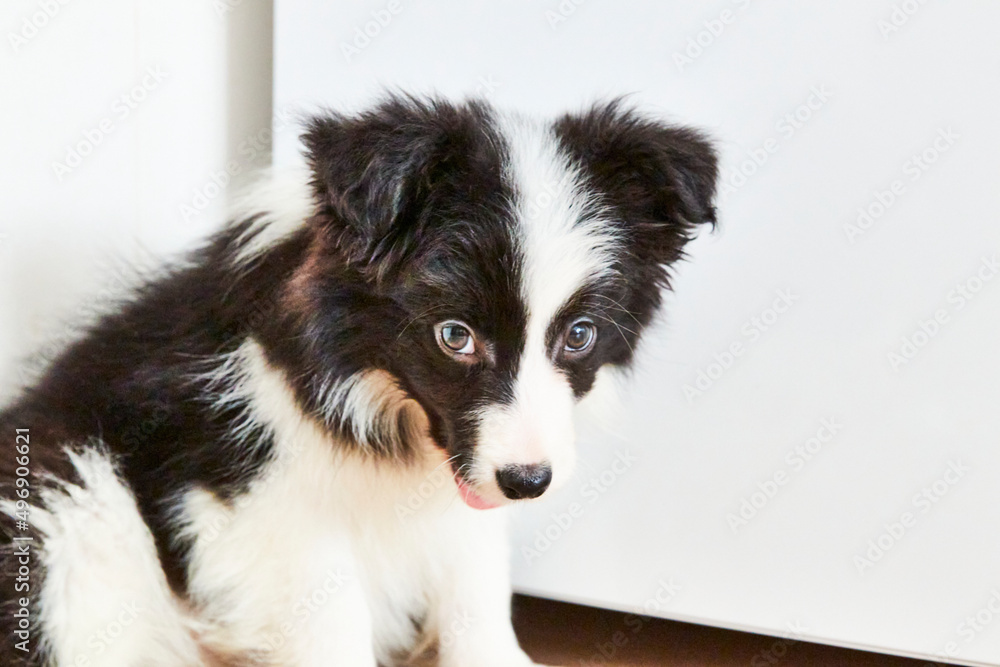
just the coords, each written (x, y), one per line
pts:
(472, 499)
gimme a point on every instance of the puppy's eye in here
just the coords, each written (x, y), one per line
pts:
(456, 338)
(580, 336)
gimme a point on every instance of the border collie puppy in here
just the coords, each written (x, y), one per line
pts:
(222, 470)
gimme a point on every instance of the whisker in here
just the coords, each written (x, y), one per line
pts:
(445, 462)
(621, 327)
(620, 331)
(417, 317)
(621, 307)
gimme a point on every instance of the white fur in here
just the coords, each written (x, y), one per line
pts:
(376, 407)
(318, 514)
(564, 234)
(282, 200)
(566, 243)
(105, 600)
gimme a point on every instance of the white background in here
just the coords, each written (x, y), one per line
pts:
(664, 517)
(64, 67)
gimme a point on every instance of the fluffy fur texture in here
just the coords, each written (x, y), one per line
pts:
(283, 451)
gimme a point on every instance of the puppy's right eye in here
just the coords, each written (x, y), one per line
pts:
(456, 338)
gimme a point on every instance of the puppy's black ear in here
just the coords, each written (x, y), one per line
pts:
(372, 173)
(658, 178)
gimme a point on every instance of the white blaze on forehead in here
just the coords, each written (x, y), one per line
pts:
(565, 242)
(564, 239)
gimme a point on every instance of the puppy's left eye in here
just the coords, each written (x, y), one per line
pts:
(580, 336)
(456, 338)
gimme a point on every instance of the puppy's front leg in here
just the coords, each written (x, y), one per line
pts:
(473, 617)
(341, 634)
(300, 604)
(334, 615)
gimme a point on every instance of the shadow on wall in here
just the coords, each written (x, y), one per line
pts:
(249, 87)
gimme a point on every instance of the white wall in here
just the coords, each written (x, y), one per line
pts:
(879, 96)
(66, 231)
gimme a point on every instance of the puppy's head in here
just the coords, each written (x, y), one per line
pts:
(481, 268)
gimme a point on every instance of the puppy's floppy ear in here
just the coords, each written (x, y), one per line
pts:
(658, 178)
(372, 172)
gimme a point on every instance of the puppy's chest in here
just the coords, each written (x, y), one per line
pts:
(408, 533)
(320, 532)
(405, 564)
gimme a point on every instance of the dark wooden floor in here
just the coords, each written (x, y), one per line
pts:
(555, 633)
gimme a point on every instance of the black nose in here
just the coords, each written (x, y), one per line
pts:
(524, 481)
